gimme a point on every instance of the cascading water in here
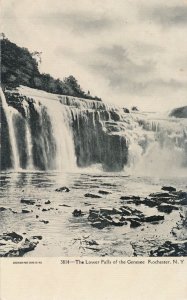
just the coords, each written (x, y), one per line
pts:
(62, 132)
(158, 147)
(60, 117)
(28, 137)
(10, 112)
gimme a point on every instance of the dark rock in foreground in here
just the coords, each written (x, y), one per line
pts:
(160, 195)
(15, 245)
(77, 213)
(44, 221)
(130, 198)
(171, 249)
(118, 222)
(28, 201)
(183, 201)
(25, 211)
(2, 208)
(13, 236)
(154, 218)
(104, 192)
(120, 216)
(135, 223)
(48, 202)
(89, 195)
(149, 202)
(63, 189)
(37, 237)
(167, 208)
(169, 188)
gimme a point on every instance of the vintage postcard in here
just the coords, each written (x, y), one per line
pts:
(93, 158)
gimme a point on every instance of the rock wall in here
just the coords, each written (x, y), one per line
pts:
(91, 124)
(53, 132)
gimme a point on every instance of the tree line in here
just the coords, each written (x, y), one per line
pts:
(20, 67)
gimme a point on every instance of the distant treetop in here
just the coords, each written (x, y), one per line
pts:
(134, 108)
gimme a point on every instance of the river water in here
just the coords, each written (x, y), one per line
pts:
(66, 235)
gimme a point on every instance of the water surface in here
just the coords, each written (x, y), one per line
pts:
(66, 235)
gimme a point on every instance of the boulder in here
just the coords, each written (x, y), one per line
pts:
(37, 237)
(13, 236)
(17, 246)
(117, 210)
(130, 198)
(108, 211)
(77, 213)
(149, 202)
(104, 192)
(169, 248)
(134, 223)
(93, 213)
(25, 211)
(169, 188)
(44, 221)
(65, 205)
(28, 245)
(118, 222)
(129, 218)
(90, 195)
(100, 224)
(48, 202)
(154, 218)
(126, 211)
(183, 201)
(162, 195)
(63, 189)
(167, 208)
(182, 195)
(2, 208)
(106, 219)
(28, 201)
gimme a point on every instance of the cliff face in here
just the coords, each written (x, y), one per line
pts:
(180, 112)
(60, 132)
(5, 149)
(44, 131)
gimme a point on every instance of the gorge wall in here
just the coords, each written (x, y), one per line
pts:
(50, 132)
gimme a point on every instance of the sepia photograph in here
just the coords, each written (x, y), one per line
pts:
(93, 108)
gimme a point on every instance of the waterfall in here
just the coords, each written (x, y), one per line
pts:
(158, 147)
(54, 132)
(10, 112)
(28, 137)
(60, 118)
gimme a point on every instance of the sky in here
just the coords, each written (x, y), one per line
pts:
(128, 52)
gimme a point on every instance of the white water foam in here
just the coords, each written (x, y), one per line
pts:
(10, 113)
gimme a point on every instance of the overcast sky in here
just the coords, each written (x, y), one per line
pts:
(127, 52)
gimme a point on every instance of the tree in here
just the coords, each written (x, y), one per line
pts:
(20, 67)
(2, 36)
(37, 56)
(72, 82)
(134, 108)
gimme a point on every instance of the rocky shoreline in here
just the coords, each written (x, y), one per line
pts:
(166, 201)
(13, 244)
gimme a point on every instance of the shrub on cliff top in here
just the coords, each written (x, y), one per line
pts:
(20, 67)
